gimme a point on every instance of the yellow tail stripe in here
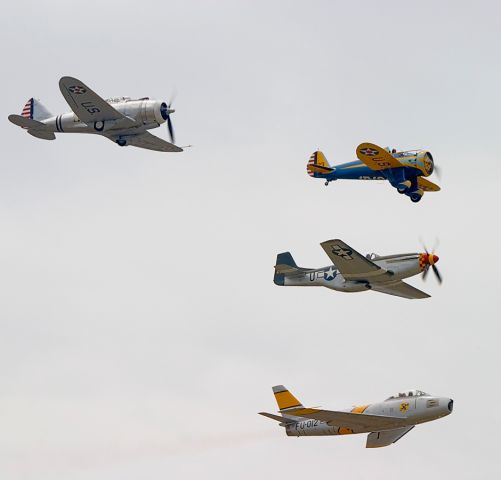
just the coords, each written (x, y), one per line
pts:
(286, 400)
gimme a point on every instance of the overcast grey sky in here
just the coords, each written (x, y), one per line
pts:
(140, 327)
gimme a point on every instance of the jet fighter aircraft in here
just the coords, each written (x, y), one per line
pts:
(385, 422)
(404, 170)
(123, 120)
(353, 272)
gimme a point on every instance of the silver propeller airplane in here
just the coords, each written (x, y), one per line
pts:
(123, 120)
(385, 422)
(354, 272)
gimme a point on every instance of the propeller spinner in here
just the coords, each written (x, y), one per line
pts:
(428, 260)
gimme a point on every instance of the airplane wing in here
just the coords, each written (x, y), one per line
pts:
(87, 105)
(150, 142)
(399, 289)
(351, 264)
(351, 420)
(376, 158)
(383, 439)
(426, 185)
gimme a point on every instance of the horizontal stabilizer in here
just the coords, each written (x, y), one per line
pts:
(319, 169)
(278, 418)
(24, 122)
(43, 134)
(383, 439)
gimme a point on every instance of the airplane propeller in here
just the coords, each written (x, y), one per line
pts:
(167, 110)
(431, 262)
(170, 128)
(438, 171)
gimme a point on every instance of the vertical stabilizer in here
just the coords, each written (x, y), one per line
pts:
(35, 110)
(285, 399)
(318, 165)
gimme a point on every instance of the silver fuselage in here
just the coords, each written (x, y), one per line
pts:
(414, 410)
(144, 113)
(399, 266)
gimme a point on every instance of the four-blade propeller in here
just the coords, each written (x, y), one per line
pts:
(431, 261)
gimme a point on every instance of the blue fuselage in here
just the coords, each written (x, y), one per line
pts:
(354, 171)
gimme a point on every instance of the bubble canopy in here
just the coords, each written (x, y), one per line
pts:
(409, 393)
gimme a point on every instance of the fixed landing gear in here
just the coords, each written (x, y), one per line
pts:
(121, 142)
(415, 196)
(326, 183)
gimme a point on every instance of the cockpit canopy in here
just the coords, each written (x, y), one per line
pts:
(408, 393)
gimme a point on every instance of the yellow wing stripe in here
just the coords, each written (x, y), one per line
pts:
(360, 409)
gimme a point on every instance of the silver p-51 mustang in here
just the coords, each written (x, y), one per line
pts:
(385, 422)
(354, 272)
(122, 120)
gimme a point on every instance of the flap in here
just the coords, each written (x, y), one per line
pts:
(376, 158)
(387, 437)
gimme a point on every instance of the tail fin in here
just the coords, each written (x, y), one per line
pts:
(284, 264)
(35, 110)
(318, 165)
(285, 399)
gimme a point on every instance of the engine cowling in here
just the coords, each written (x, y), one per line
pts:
(425, 162)
(422, 160)
(153, 111)
(146, 111)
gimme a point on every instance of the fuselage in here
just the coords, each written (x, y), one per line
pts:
(145, 114)
(413, 409)
(398, 266)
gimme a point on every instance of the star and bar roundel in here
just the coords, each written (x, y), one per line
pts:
(77, 89)
(370, 152)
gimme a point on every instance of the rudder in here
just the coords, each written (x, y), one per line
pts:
(284, 264)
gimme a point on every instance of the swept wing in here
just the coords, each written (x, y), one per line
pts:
(387, 437)
(351, 420)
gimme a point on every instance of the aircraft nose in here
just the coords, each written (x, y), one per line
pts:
(435, 259)
(450, 405)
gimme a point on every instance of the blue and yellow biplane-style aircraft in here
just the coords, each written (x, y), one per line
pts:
(404, 170)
